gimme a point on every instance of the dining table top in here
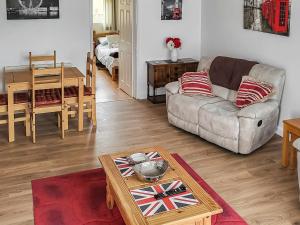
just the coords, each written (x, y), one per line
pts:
(22, 74)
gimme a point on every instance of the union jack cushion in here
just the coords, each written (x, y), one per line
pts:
(149, 206)
(195, 83)
(252, 91)
(126, 169)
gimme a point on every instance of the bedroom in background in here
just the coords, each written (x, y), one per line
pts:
(113, 49)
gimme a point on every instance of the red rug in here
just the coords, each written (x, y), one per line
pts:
(79, 199)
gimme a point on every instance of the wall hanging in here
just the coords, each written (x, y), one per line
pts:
(32, 9)
(271, 16)
(171, 9)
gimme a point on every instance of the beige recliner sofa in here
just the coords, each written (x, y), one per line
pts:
(217, 119)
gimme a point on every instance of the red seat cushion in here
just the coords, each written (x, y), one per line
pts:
(87, 91)
(72, 91)
(252, 91)
(18, 98)
(3, 99)
(47, 97)
(21, 98)
(195, 83)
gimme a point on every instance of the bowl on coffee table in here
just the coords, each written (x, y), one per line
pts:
(151, 171)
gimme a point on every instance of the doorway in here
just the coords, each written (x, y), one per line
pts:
(113, 41)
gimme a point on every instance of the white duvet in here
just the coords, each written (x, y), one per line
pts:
(103, 55)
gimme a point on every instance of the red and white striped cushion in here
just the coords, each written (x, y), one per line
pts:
(195, 83)
(252, 91)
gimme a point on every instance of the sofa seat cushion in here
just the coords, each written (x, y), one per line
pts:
(220, 118)
(187, 107)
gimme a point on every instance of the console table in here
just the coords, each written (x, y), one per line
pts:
(162, 72)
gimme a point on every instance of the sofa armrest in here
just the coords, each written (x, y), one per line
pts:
(173, 88)
(297, 144)
(259, 110)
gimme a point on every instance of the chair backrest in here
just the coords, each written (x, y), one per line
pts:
(42, 58)
(91, 71)
(48, 78)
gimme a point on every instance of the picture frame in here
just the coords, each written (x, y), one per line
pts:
(270, 16)
(32, 9)
(171, 9)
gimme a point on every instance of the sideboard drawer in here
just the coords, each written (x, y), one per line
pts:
(176, 71)
(191, 67)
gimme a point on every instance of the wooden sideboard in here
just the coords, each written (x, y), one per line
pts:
(162, 72)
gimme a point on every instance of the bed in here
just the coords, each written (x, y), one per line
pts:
(107, 54)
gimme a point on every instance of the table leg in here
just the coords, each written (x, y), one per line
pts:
(293, 153)
(204, 221)
(94, 119)
(11, 114)
(80, 105)
(285, 147)
(109, 195)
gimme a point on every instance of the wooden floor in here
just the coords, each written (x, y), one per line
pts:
(108, 90)
(255, 185)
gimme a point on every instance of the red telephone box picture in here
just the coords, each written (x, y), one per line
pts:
(276, 12)
(272, 16)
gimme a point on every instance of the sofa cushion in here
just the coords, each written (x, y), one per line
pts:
(252, 91)
(195, 83)
(187, 107)
(220, 118)
(228, 72)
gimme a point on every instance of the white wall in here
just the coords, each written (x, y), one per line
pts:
(152, 31)
(70, 35)
(223, 34)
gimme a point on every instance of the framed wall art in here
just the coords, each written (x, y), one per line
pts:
(171, 9)
(32, 9)
(271, 16)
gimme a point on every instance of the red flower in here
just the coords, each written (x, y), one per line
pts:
(169, 39)
(177, 42)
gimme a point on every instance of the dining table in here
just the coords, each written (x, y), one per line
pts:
(19, 78)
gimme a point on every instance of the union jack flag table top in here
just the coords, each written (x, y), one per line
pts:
(126, 169)
(149, 206)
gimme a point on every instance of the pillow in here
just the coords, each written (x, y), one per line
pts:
(252, 91)
(103, 41)
(195, 83)
(113, 40)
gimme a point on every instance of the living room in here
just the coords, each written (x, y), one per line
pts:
(87, 177)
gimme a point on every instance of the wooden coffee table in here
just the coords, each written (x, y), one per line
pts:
(195, 207)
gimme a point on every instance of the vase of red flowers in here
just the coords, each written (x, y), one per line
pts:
(173, 44)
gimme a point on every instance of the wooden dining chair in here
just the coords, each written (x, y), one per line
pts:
(21, 109)
(42, 58)
(48, 95)
(89, 98)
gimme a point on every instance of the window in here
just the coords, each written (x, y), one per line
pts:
(98, 11)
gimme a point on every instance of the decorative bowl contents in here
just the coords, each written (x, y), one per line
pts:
(151, 171)
(137, 158)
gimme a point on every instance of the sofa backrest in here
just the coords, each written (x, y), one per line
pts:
(272, 75)
(266, 73)
(228, 72)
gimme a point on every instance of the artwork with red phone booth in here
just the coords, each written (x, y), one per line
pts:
(171, 9)
(270, 16)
